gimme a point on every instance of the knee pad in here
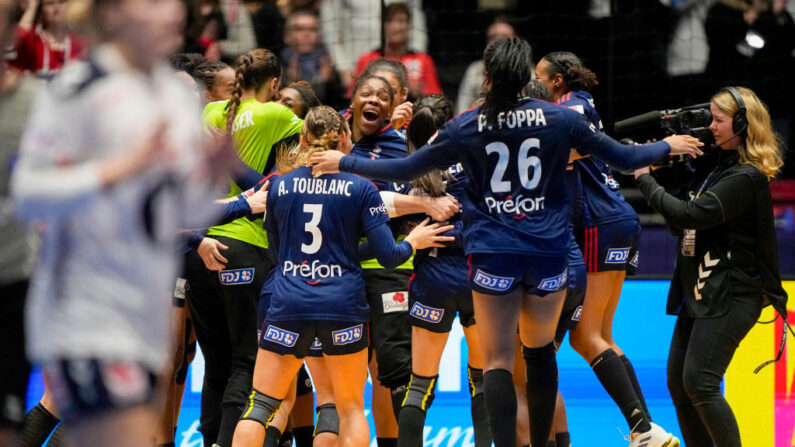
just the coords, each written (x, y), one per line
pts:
(421, 392)
(475, 381)
(328, 421)
(260, 408)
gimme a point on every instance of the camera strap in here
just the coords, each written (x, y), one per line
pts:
(688, 247)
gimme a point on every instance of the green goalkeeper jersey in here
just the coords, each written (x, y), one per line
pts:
(256, 128)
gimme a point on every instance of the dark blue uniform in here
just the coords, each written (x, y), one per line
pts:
(438, 289)
(608, 230)
(516, 203)
(317, 289)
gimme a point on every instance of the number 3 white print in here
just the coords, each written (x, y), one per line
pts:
(316, 210)
(525, 160)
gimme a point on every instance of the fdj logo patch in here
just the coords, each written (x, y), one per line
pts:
(426, 313)
(316, 344)
(281, 336)
(346, 336)
(554, 283)
(492, 282)
(236, 277)
(617, 255)
(577, 314)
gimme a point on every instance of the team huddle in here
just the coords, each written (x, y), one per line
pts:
(506, 216)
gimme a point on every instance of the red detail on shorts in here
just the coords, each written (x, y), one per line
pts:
(592, 249)
(411, 279)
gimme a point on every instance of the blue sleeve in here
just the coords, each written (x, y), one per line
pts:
(233, 210)
(365, 251)
(246, 177)
(587, 139)
(193, 239)
(382, 245)
(458, 233)
(440, 153)
(373, 211)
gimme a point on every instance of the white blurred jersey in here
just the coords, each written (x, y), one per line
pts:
(108, 262)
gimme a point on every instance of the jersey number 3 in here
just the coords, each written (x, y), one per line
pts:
(526, 161)
(311, 227)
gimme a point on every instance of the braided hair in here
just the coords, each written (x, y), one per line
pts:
(307, 94)
(322, 130)
(429, 114)
(508, 63)
(568, 65)
(252, 71)
(207, 71)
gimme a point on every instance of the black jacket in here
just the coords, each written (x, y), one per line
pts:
(735, 241)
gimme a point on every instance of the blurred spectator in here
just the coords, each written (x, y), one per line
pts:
(472, 83)
(751, 43)
(305, 59)
(205, 28)
(43, 44)
(240, 36)
(270, 17)
(421, 70)
(353, 27)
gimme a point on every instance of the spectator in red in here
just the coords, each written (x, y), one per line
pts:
(421, 70)
(43, 44)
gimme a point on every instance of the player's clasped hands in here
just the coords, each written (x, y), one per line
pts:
(426, 236)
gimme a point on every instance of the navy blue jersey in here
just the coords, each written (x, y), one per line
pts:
(455, 187)
(603, 202)
(516, 200)
(314, 227)
(387, 143)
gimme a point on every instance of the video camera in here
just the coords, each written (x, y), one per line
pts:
(657, 124)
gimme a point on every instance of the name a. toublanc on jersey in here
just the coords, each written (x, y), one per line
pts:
(318, 186)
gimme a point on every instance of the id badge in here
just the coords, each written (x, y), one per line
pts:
(689, 243)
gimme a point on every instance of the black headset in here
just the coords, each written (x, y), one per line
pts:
(740, 120)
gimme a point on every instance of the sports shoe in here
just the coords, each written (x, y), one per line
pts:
(656, 437)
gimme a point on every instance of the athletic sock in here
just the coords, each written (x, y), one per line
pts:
(304, 435)
(480, 423)
(57, 434)
(542, 390)
(36, 427)
(410, 427)
(272, 436)
(563, 439)
(500, 400)
(386, 442)
(609, 369)
(229, 417)
(552, 444)
(286, 439)
(635, 384)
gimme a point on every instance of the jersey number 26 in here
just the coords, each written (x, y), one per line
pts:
(526, 162)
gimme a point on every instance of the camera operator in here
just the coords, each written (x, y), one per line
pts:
(727, 265)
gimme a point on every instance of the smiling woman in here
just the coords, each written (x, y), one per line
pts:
(372, 102)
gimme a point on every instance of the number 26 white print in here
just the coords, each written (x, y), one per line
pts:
(525, 160)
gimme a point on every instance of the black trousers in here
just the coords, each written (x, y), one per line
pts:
(14, 366)
(224, 317)
(390, 329)
(701, 350)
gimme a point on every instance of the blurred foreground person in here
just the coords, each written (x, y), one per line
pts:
(109, 187)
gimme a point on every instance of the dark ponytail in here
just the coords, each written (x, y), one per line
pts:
(429, 114)
(206, 73)
(252, 71)
(568, 65)
(508, 63)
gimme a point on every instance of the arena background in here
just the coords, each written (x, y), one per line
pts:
(764, 403)
(649, 55)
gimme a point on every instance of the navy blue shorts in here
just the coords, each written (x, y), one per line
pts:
(299, 337)
(92, 387)
(610, 247)
(499, 274)
(572, 306)
(438, 290)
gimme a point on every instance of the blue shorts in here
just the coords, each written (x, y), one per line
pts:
(499, 274)
(299, 337)
(572, 306)
(90, 386)
(610, 247)
(438, 290)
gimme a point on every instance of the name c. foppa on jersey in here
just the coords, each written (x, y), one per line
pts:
(514, 118)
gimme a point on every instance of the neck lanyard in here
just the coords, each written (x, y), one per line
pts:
(704, 185)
